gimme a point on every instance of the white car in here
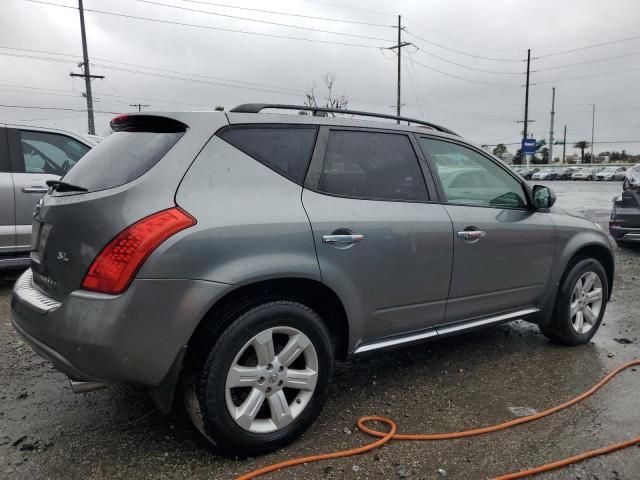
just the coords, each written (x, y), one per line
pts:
(609, 173)
(583, 174)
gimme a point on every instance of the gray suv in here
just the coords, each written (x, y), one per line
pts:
(234, 257)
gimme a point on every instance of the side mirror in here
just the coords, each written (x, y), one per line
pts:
(543, 197)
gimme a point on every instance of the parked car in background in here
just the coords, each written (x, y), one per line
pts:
(583, 174)
(609, 173)
(527, 173)
(624, 224)
(632, 177)
(237, 256)
(545, 174)
(29, 157)
(621, 174)
(565, 173)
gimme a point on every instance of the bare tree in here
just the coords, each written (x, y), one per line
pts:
(331, 100)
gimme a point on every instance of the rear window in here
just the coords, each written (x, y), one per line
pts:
(286, 149)
(120, 158)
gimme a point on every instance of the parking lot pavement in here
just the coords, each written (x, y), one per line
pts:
(452, 384)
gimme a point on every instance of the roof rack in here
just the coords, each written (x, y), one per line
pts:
(257, 107)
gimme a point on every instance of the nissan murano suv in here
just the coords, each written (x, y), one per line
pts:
(232, 258)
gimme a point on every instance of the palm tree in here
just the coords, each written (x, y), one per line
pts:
(582, 145)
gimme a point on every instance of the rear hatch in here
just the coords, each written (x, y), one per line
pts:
(118, 182)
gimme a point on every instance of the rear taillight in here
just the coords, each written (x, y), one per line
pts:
(117, 263)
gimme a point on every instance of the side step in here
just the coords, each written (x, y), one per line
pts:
(443, 330)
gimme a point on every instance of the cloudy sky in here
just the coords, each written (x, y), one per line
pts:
(465, 69)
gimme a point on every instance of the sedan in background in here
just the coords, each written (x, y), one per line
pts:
(566, 173)
(527, 173)
(621, 175)
(583, 174)
(545, 174)
(609, 173)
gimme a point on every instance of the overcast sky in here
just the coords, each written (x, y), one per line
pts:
(471, 39)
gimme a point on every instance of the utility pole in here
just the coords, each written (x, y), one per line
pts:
(138, 106)
(553, 104)
(593, 125)
(564, 145)
(86, 74)
(399, 47)
(526, 102)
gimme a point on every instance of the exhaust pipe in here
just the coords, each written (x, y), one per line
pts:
(84, 387)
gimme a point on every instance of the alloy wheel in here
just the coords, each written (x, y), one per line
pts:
(271, 380)
(586, 302)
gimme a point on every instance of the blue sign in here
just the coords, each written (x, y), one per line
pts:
(528, 146)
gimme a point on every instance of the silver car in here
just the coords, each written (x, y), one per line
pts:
(29, 156)
(234, 257)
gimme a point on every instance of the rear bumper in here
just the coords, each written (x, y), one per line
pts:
(625, 234)
(134, 337)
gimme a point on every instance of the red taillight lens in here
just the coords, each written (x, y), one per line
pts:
(117, 263)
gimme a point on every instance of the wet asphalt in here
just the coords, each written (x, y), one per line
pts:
(463, 382)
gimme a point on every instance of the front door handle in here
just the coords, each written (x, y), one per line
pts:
(342, 239)
(35, 189)
(471, 235)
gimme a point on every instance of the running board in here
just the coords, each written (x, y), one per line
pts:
(443, 330)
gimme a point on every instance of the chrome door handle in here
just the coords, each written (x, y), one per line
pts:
(472, 235)
(35, 189)
(342, 239)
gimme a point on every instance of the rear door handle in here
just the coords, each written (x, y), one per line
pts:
(471, 235)
(35, 189)
(342, 239)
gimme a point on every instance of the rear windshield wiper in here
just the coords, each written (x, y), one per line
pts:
(60, 186)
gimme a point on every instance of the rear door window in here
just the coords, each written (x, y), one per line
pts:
(286, 149)
(372, 165)
(50, 153)
(121, 158)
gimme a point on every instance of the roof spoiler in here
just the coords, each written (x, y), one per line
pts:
(321, 111)
(146, 123)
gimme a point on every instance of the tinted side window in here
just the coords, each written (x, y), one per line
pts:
(469, 178)
(285, 149)
(381, 166)
(121, 158)
(50, 152)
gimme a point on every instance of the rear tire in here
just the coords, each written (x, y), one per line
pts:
(264, 381)
(581, 304)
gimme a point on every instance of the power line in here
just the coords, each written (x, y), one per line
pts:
(460, 52)
(54, 108)
(597, 60)
(469, 67)
(35, 57)
(426, 29)
(267, 22)
(354, 22)
(207, 27)
(375, 12)
(462, 78)
(40, 51)
(587, 47)
(587, 76)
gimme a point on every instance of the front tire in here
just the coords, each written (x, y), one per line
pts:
(264, 381)
(581, 303)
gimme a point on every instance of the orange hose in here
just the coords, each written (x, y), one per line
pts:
(391, 434)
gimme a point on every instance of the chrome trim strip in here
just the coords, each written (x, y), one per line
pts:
(26, 292)
(632, 237)
(395, 341)
(459, 327)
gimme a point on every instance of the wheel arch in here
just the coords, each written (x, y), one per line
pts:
(312, 293)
